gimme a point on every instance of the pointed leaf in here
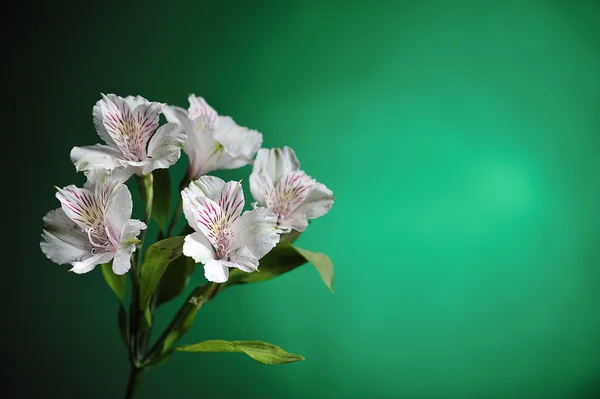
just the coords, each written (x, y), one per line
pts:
(175, 279)
(157, 259)
(260, 351)
(322, 263)
(161, 203)
(117, 283)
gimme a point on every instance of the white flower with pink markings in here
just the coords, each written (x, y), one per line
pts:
(214, 142)
(127, 126)
(92, 227)
(278, 183)
(225, 237)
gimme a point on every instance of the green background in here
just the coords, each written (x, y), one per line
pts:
(461, 143)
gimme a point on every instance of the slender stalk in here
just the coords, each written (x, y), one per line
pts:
(145, 185)
(178, 210)
(135, 379)
(183, 319)
(139, 331)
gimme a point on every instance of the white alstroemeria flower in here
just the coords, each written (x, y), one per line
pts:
(127, 127)
(224, 236)
(92, 227)
(214, 142)
(278, 183)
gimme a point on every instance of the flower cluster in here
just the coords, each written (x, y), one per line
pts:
(93, 224)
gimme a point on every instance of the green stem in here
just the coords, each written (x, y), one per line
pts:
(179, 209)
(135, 379)
(183, 320)
(145, 185)
(175, 218)
(134, 316)
(142, 332)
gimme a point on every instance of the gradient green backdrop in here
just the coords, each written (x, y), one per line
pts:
(461, 141)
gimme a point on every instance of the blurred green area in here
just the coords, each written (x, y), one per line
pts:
(461, 142)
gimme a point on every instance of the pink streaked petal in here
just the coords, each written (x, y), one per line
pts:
(146, 116)
(292, 190)
(231, 200)
(209, 218)
(130, 123)
(203, 114)
(318, 203)
(80, 206)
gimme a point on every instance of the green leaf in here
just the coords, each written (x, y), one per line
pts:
(322, 263)
(161, 204)
(117, 283)
(175, 279)
(157, 259)
(281, 259)
(260, 351)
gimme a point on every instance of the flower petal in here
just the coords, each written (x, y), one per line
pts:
(187, 198)
(197, 246)
(178, 115)
(257, 231)
(127, 240)
(131, 229)
(290, 192)
(209, 218)
(122, 261)
(231, 200)
(88, 264)
(216, 271)
(207, 186)
(80, 205)
(129, 122)
(262, 189)
(97, 156)
(203, 115)
(119, 206)
(101, 176)
(318, 203)
(244, 260)
(62, 239)
(99, 124)
(238, 141)
(276, 162)
(296, 222)
(165, 147)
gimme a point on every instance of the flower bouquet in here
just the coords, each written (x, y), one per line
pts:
(93, 224)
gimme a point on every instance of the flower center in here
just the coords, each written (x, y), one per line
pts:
(289, 193)
(222, 243)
